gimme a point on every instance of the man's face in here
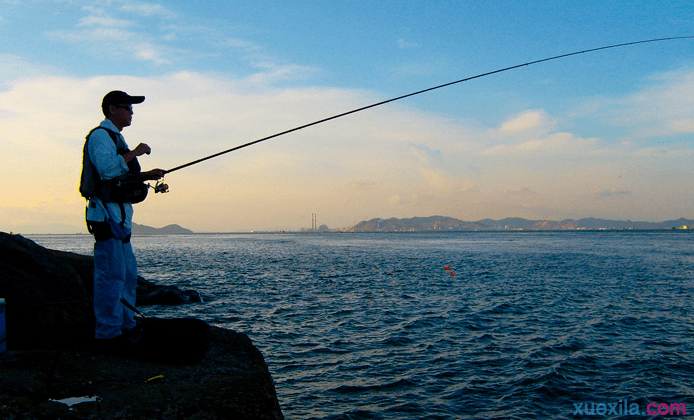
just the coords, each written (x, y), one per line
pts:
(121, 115)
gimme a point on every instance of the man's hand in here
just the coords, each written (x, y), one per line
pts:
(142, 149)
(154, 174)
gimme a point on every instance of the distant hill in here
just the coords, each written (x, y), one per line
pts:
(166, 230)
(414, 224)
(441, 223)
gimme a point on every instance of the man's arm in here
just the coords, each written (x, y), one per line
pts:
(153, 174)
(141, 149)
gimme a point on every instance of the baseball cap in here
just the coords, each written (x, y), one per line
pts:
(118, 97)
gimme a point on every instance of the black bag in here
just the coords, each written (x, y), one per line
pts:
(173, 341)
(128, 188)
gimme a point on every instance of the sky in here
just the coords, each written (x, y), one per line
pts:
(605, 134)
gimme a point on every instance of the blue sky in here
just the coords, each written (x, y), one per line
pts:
(605, 134)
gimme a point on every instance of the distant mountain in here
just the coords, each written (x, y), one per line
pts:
(441, 223)
(166, 230)
(412, 225)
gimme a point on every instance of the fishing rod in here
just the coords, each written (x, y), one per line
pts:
(419, 92)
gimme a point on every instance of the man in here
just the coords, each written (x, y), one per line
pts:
(115, 266)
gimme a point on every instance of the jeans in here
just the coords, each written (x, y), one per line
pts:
(115, 277)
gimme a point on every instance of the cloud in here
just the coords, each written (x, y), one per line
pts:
(239, 43)
(436, 179)
(524, 191)
(527, 121)
(143, 32)
(552, 143)
(101, 21)
(153, 34)
(663, 108)
(14, 68)
(115, 35)
(43, 121)
(272, 73)
(530, 133)
(361, 185)
(614, 192)
(404, 45)
(425, 153)
(393, 160)
(147, 9)
(149, 52)
(681, 126)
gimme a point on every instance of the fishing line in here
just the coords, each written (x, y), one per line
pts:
(419, 92)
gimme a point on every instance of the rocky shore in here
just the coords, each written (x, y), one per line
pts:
(51, 370)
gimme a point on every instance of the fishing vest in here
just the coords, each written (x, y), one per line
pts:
(127, 188)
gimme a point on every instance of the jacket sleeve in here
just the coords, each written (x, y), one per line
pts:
(102, 152)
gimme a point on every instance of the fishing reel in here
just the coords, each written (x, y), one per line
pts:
(160, 187)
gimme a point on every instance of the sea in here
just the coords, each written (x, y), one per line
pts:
(447, 325)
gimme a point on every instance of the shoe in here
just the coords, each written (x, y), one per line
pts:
(134, 334)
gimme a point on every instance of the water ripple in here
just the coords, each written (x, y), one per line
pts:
(366, 326)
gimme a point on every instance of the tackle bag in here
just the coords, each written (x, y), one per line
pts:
(127, 188)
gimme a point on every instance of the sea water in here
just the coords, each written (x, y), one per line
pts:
(524, 325)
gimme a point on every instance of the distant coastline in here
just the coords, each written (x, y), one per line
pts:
(442, 223)
(450, 224)
(447, 224)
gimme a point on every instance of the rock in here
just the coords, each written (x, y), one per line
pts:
(149, 293)
(48, 291)
(233, 382)
(50, 325)
(43, 293)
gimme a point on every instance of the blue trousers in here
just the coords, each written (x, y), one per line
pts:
(115, 277)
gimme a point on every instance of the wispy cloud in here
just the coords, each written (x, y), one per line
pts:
(554, 143)
(524, 191)
(661, 109)
(426, 153)
(150, 52)
(100, 29)
(147, 9)
(613, 192)
(153, 33)
(102, 21)
(404, 45)
(527, 121)
(681, 126)
(239, 43)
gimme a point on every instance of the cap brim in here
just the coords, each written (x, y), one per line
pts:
(136, 99)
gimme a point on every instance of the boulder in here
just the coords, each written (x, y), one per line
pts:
(49, 292)
(44, 294)
(51, 369)
(233, 382)
(149, 293)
